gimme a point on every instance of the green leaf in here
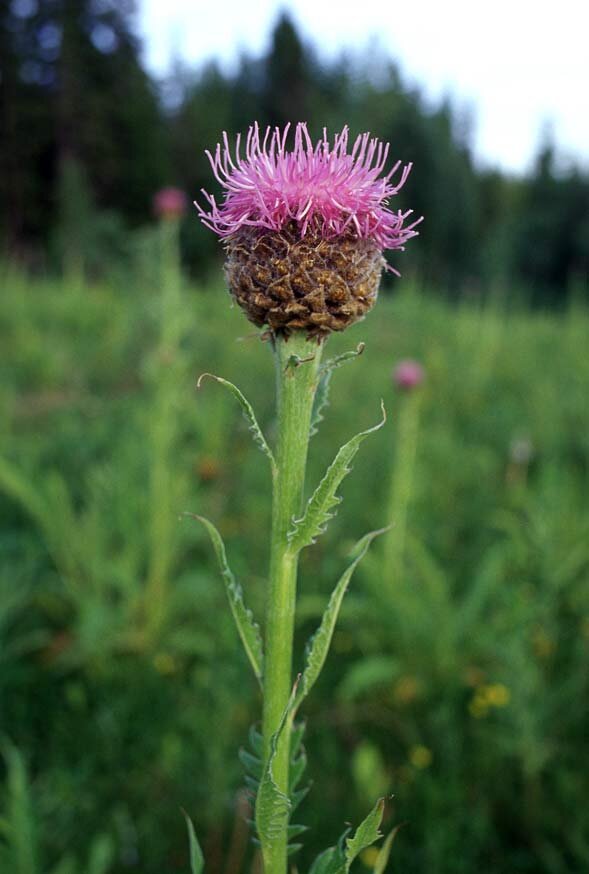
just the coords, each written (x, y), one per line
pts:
(297, 797)
(256, 740)
(364, 675)
(325, 373)
(249, 415)
(251, 763)
(296, 738)
(296, 771)
(330, 861)
(324, 499)
(66, 865)
(19, 825)
(337, 860)
(385, 851)
(272, 805)
(197, 862)
(248, 629)
(294, 831)
(101, 855)
(366, 834)
(318, 645)
(293, 848)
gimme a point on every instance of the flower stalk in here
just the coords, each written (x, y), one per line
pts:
(297, 375)
(408, 377)
(401, 487)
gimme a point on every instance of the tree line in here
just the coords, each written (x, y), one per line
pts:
(88, 137)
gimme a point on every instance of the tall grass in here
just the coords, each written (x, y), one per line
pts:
(465, 676)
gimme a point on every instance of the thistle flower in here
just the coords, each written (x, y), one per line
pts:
(305, 229)
(408, 375)
(169, 203)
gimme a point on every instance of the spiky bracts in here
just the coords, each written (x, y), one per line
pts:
(305, 228)
(290, 283)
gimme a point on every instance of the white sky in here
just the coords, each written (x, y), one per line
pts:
(517, 63)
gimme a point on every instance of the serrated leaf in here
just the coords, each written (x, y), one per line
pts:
(252, 783)
(272, 805)
(248, 629)
(251, 763)
(323, 500)
(256, 740)
(325, 373)
(366, 834)
(318, 645)
(298, 796)
(294, 831)
(321, 402)
(197, 862)
(272, 811)
(293, 848)
(249, 414)
(385, 851)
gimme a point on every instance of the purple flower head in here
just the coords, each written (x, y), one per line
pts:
(408, 375)
(169, 203)
(322, 188)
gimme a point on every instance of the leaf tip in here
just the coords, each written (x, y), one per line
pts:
(204, 376)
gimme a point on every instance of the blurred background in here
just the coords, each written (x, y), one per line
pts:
(458, 681)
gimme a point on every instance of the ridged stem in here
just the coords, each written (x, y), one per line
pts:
(297, 366)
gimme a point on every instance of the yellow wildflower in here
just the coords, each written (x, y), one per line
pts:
(407, 689)
(544, 645)
(485, 697)
(369, 856)
(420, 757)
(164, 663)
(497, 695)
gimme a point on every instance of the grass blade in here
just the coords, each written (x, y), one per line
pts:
(197, 862)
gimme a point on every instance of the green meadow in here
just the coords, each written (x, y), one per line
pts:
(458, 681)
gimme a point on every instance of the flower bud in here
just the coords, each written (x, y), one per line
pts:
(408, 375)
(169, 203)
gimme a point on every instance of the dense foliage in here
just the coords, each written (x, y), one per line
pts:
(88, 137)
(458, 683)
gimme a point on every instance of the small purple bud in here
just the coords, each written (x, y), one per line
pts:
(169, 203)
(408, 375)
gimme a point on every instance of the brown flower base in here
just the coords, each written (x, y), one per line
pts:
(312, 284)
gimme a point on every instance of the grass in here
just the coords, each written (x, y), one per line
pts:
(458, 684)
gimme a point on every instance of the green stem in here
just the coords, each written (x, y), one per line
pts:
(401, 486)
(296, 387)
